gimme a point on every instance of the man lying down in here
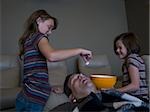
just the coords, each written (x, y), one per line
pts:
(84, 96)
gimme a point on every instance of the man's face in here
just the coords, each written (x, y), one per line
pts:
(80, 85)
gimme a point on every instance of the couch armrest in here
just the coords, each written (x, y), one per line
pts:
(8, 61)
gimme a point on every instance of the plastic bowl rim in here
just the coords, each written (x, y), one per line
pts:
(102, 76)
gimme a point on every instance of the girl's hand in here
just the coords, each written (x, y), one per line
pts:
(86, 53)
(57, 89)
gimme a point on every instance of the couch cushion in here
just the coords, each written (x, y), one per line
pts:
(8, 97)
(55, 100)
(98, 64)
(9, 78)
(57, 72)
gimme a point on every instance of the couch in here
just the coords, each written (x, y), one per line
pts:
(146, 59)
(58, 72)
(10, 78)
(9, 81)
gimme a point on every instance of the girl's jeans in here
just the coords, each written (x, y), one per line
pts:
(24, 105)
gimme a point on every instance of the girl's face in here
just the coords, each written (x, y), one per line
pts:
(121, 49)
(46, 26)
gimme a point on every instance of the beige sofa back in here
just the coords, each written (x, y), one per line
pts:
(57, 73)
(98, 64)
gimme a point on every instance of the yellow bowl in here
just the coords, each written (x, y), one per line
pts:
(103, 80)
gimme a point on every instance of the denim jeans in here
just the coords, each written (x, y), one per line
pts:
(24, 105)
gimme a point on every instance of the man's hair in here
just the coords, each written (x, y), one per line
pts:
(67, 90)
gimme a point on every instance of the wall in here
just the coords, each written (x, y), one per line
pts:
(138, 21)
(92, 24)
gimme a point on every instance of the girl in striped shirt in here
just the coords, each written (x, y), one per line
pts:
(127, 48)
(35, 51)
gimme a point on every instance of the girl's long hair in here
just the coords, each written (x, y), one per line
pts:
(31, 27)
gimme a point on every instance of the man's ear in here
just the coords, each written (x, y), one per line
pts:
(39, 20)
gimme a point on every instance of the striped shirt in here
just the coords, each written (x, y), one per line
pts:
(137, 61)
(35, 81)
